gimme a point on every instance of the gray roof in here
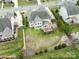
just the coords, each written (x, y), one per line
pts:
(5, 22)
(72, 9)
(40, 12)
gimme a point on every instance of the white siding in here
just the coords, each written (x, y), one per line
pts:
(63, 13)
(37, 23)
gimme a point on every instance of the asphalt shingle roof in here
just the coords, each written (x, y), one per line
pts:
(72, 9)
(40, 12)
(5, 22)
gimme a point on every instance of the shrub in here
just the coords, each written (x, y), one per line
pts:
(50, 58)
(40, 52)
(45, 50)
(59, 46)
(57, 11)
(64, 45)
(56, 48)
(36, 53)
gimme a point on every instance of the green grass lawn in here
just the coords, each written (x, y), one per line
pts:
(40, 41)
(24, 3)
(6, 5)
(49, 0)
(74, 28)
(12, 47)
(0, 4)
(20, 3)
(66, 53)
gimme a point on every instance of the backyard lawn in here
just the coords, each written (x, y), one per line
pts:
(12, 47)
(37, 40)
(66, 53)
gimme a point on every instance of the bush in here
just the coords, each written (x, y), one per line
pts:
(40, 52)
(57, 11)
(59, 46)
(56, 48)
(36, 53)
(50, 58)
(64, 45)
(45, 50)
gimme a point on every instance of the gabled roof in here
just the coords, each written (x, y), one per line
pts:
(72, 9)
(40, 12)
(37, 18)
(4, 22)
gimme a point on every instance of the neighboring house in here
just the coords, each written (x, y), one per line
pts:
(40, 17)
(9, 26)
(69, 12)
(6, 28)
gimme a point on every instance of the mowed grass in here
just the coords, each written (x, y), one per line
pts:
(49, 0)
(24, 3)
(74, 28)
(66, 53)
(12, 47)
(7, 5)
(38, 40)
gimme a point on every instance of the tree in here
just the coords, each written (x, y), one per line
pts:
(62, 26)
(25, 22)
(77, 2)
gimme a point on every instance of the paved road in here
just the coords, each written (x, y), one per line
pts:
(27, 8)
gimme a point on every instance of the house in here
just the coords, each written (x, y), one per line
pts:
(40, 18)
(9, 25)
(69, 12)
(6, 28)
